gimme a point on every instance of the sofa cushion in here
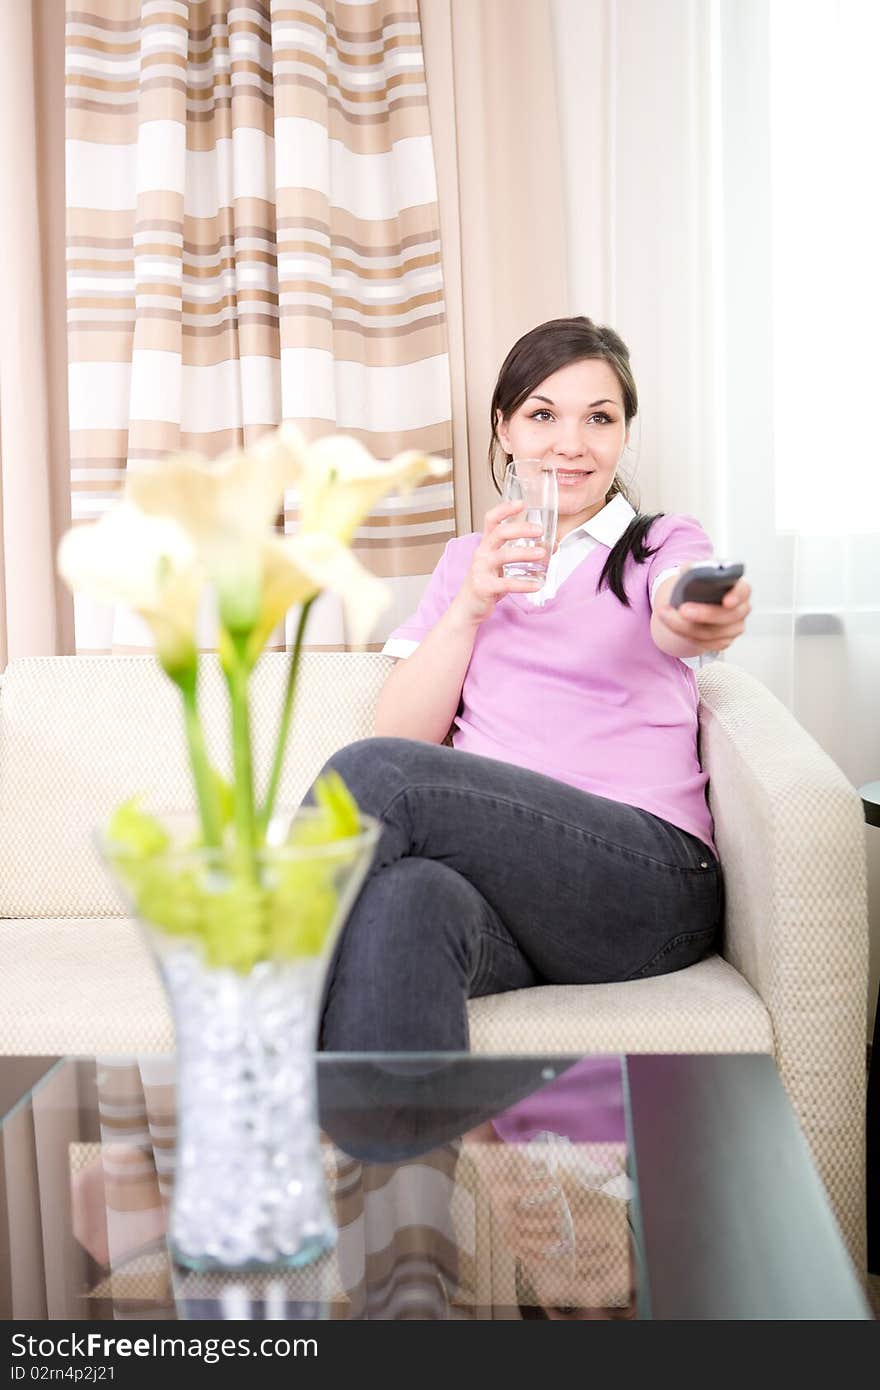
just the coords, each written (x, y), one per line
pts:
(98, 991)
(708, 1007)
(83, 985)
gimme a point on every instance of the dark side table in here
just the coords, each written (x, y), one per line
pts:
(870, 794)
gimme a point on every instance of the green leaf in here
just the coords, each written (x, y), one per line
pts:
(234, 926)
(167, 897)
(236, 921)
(334, 797)
(133, 830)
(302, 908)
(339, 819)
(225, 799)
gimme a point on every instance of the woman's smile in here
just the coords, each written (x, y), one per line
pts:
(572, 477)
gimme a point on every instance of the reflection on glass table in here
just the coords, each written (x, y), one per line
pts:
(408, 1228)
(463, 1187)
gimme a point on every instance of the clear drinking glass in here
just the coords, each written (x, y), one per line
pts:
(534, 482)
(547, 1233)
(543, 1152)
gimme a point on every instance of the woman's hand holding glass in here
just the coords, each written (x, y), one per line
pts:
(485, 582)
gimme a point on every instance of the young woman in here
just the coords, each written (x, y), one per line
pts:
(565, 837)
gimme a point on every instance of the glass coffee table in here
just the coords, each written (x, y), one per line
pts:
(464, 1187)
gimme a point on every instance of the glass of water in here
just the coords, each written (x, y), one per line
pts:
(534, 482)
(546, 1232)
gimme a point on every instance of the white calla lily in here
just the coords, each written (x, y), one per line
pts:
(330, 565)
(148, 563)
(341, 483)
(189, 521)
(298, 568)
(228, 506)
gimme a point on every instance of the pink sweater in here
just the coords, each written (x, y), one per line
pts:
(576, 688)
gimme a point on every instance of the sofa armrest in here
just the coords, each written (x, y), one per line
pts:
(790, 834)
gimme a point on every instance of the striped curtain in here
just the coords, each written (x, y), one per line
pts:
(253, 237)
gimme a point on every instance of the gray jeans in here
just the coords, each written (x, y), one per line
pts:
(488, 877)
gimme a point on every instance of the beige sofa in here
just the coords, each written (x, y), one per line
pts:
(80, 734)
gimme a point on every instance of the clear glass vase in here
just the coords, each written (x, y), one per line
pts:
(243, 957)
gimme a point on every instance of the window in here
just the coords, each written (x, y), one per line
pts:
(824, 115)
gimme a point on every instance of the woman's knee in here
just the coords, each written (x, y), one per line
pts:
(355, 759)
(417, 906)
(373, 769)
(400, 975)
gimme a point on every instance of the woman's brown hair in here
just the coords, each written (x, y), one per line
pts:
(537, 355)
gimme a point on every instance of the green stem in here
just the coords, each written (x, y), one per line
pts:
(286, 712)
(206, 790)
(243, 777)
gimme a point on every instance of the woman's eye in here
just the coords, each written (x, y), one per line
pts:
(599, 416)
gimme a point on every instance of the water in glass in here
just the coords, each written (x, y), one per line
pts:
(532, 482)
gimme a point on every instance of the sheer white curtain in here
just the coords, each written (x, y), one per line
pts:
(723, 214)
(800, 218)
(796, 341)
(635, 106)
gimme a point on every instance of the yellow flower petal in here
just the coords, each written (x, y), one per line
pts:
(284, 584)
(342, 483)
(323, 563)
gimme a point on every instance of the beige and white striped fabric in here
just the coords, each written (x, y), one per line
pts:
(253, 237)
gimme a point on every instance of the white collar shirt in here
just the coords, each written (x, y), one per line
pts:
(605, 528)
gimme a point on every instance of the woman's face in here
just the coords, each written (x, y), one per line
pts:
(574, 420)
